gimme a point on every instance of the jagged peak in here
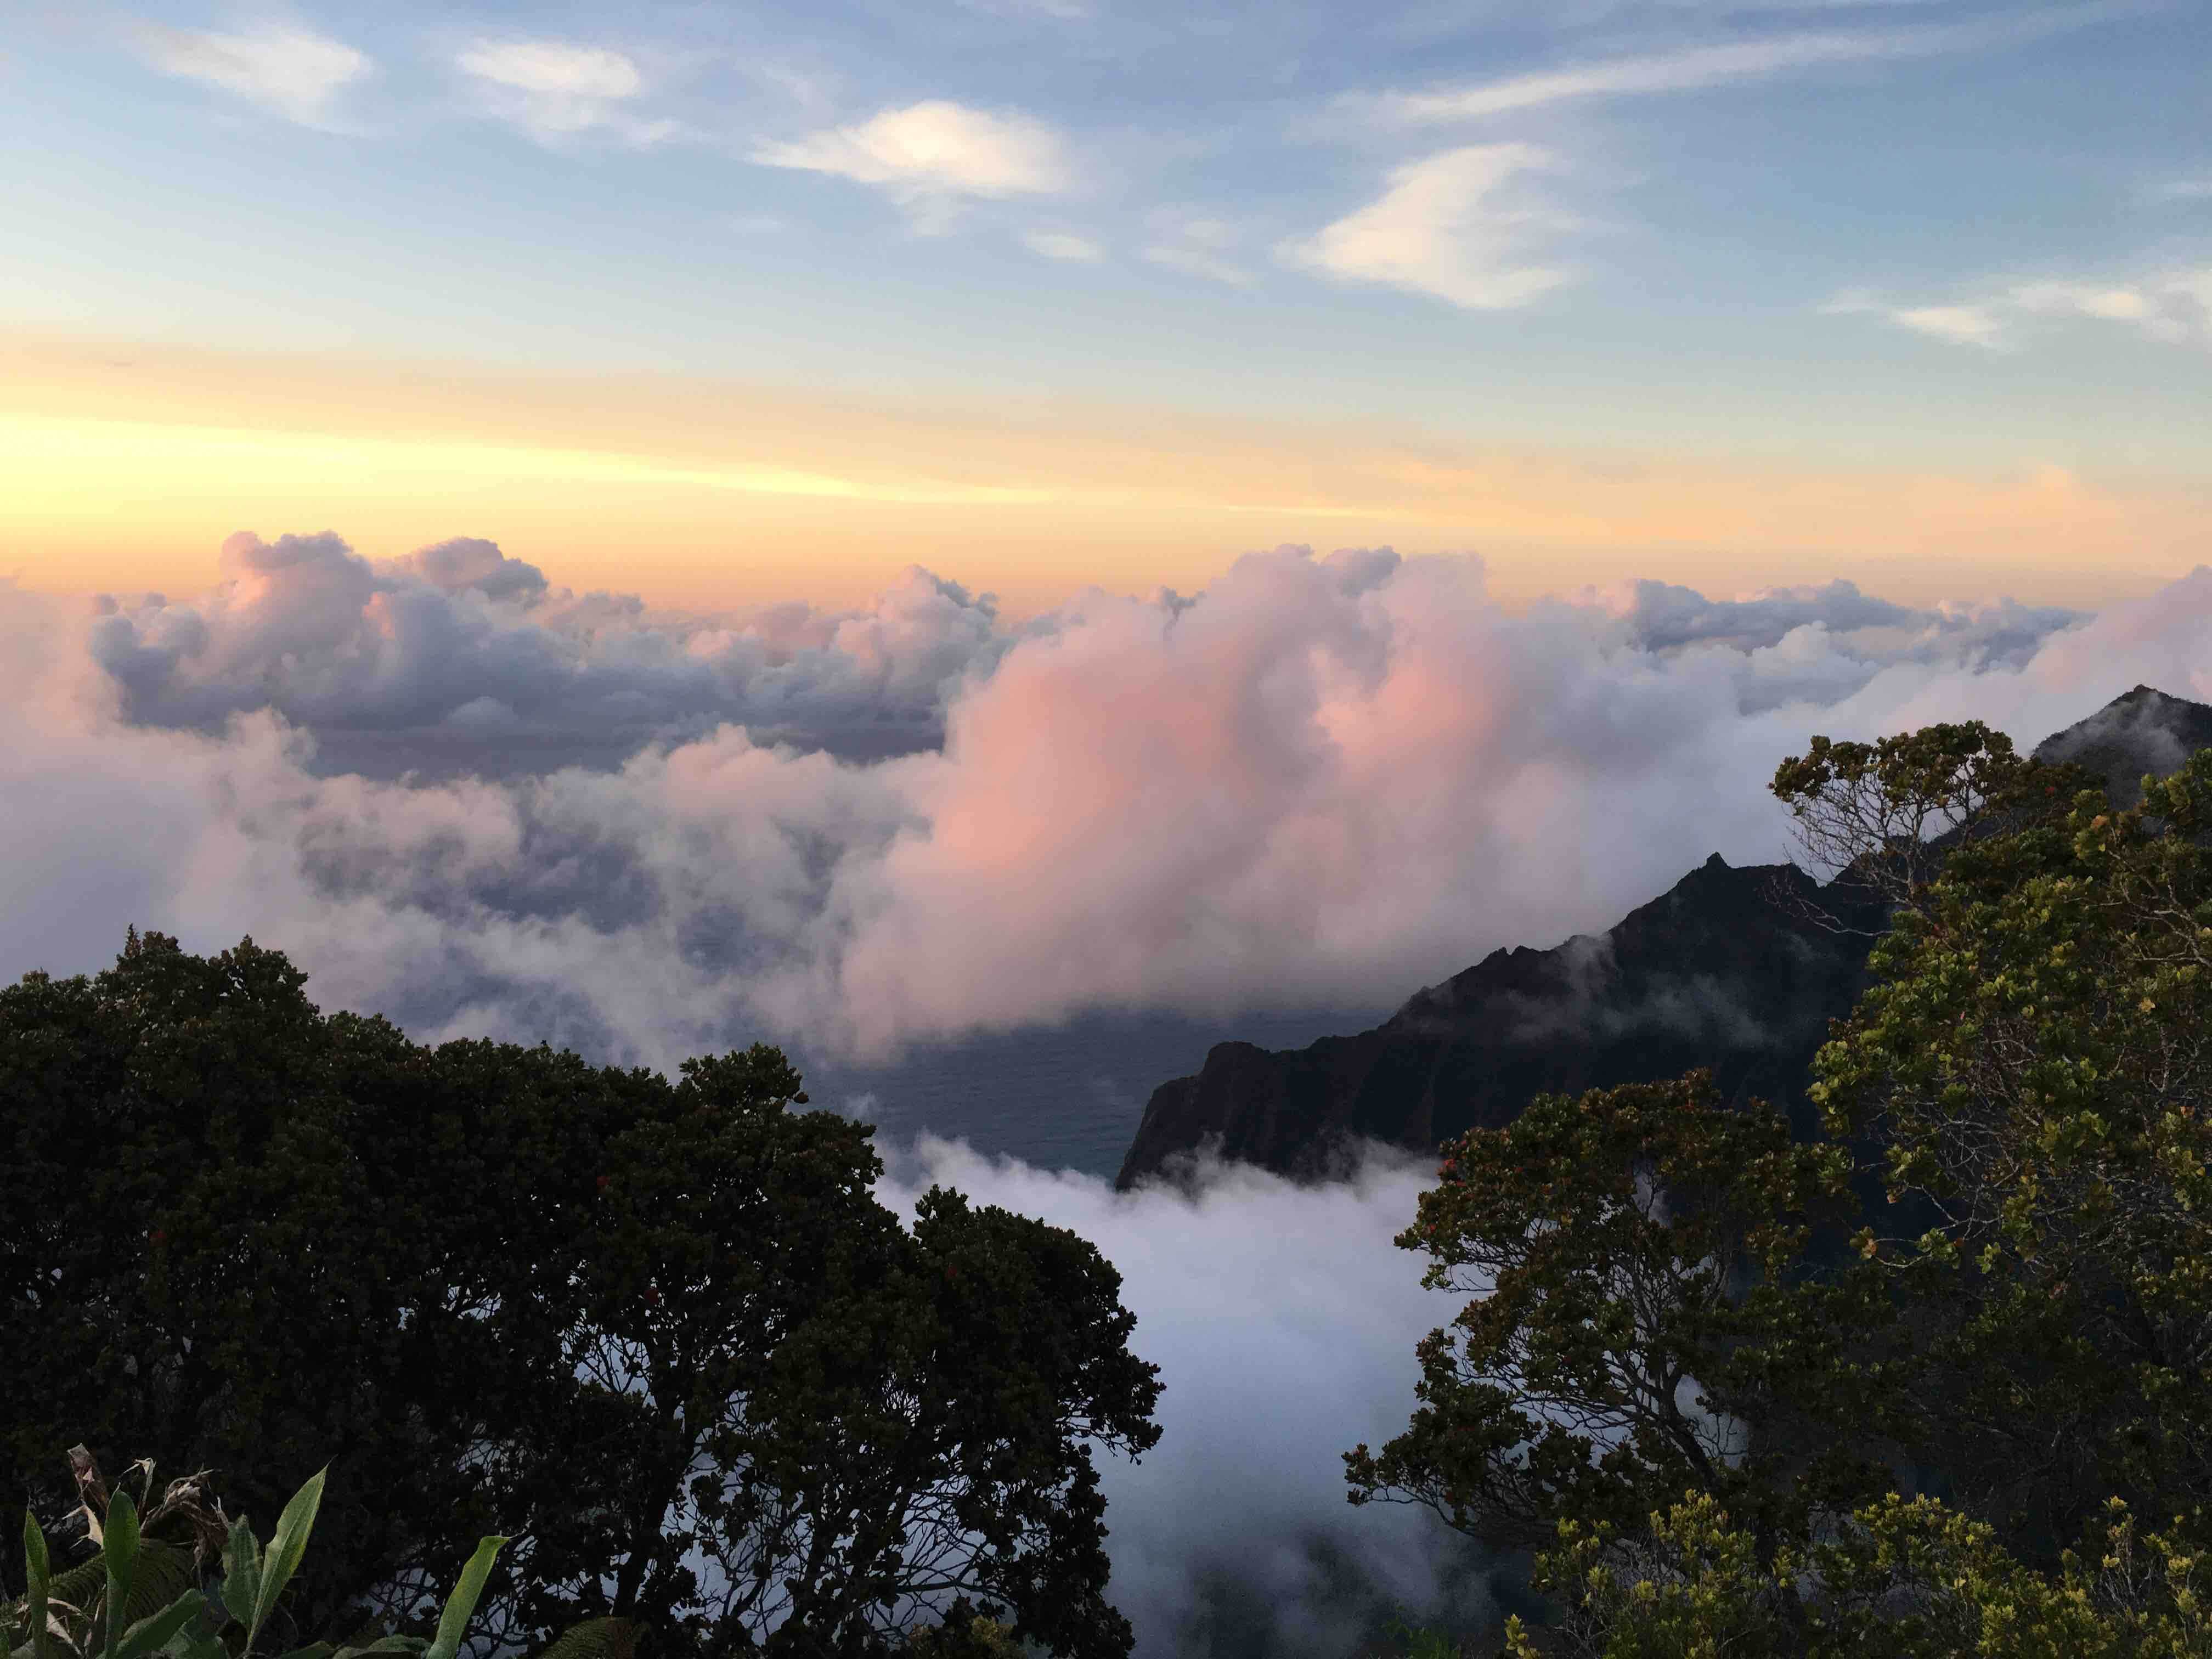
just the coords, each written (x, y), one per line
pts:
(2144, 731)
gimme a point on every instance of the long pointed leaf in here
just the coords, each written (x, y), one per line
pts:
(461, 1605)
(37, 1574)
(241, 1572)
(286, 1547)
(120, 1550)
(150, 1633)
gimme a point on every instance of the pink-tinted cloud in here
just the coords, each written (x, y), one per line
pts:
(1322, 781)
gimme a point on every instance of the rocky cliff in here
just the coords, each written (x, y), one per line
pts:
(1737, 970)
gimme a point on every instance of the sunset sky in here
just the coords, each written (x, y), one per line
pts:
(996, 545)
(726, 305)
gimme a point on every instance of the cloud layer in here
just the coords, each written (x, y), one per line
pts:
(457, 659)
(483, 803)
(1283, 1320)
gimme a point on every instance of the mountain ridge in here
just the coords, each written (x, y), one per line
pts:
(1740, 969)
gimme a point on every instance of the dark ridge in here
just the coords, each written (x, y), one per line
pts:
(2144, 731)
(1740, 970)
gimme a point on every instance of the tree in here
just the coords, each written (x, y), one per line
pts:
(1879, 818)
(811, 1428)
(206, 1257)
(2022, 1324)
(1897, 1578)
(661, 1334)
(2031, 1061)
(1636, 1323)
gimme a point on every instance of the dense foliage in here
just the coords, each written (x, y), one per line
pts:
(181, 1580)
(661, 1334)
(1733, 1425)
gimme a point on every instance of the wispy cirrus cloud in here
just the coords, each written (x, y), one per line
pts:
(2172, 306)
(2191, 187)
(556, 88)
(1447, 226)
(1695, 68)
(1198, 248)
(291, 71)
(1063, 245)
(929, 156)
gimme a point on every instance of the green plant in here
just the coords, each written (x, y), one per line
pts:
(136, 1597)
(688, 1361)
(1422, 1642)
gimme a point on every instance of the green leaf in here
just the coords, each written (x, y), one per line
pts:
(119, 1548)
(148, 1634)
(461, 1605)
(384, 1644)
(241, 1572)
(37, 1574)
(286, 1546)
(313, 1651)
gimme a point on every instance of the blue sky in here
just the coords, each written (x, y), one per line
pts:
(1744, 225)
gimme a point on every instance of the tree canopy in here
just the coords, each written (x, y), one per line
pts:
(661, 1333)
(1920, 1374)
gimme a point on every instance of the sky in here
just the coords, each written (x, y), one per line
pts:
(727, 304)
(898, 526)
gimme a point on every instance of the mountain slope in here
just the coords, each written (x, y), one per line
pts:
(1729, 969)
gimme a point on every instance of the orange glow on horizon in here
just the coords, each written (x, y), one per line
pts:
(122, 467)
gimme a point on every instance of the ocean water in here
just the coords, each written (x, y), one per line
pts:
(1063, 1096)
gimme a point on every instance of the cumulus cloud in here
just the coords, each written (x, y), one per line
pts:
(457, 659)
(2171, 306)
(927, 156)
(1319, 783)
(470, 563)
(1450, 225)
(553, 88)
(293, 71)
(1283, 1320)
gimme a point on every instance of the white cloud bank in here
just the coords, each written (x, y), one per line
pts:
(1322, 782)
(459, 658)
(1283, 1320)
